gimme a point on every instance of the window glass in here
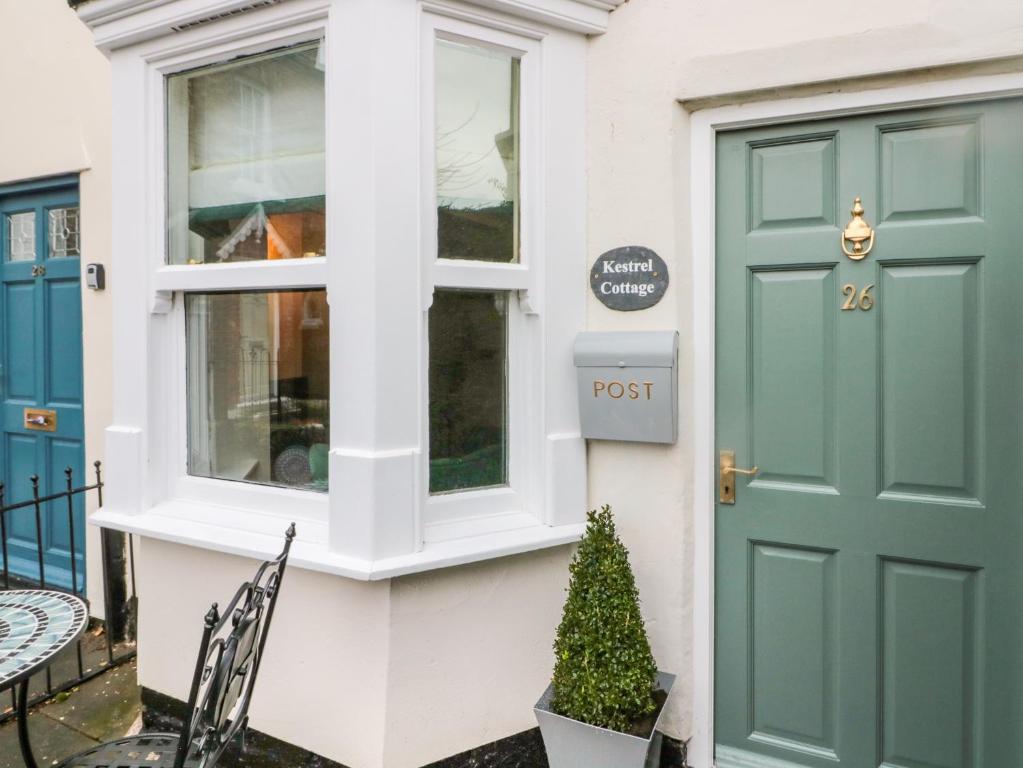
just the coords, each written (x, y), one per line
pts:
(21, 236)
(63, 232)
(468, 390)
(258, 387)
(477, 148)
(245, 156)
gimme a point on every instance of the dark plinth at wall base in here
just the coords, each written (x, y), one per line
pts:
(523, 750)
(165, 714)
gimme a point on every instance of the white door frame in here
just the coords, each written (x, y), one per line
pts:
(704, 126)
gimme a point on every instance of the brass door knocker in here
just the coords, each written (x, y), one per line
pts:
(856, 232)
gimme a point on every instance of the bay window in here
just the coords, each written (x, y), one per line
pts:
(363, 261)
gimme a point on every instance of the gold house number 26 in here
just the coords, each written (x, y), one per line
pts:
(861, 300)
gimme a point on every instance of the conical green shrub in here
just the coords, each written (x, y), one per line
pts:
(604, 672)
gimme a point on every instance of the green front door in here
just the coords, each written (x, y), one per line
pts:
(869, 579)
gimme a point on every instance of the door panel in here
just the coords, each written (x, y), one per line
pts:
(930, 333)
(793, 183)
(63, 452)
(794, 652)
(63, 304)
(929, 635)
(792, 355)
(868, 579)
(41, 339)
(930, 169)
(21, 462)
(19, 301)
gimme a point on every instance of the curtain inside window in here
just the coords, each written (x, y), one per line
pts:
(255, 134)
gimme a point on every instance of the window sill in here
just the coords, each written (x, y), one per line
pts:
(311, 553)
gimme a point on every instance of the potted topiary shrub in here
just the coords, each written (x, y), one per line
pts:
(605, 700)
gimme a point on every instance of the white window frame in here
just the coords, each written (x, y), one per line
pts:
(514, 505)
(376, 521)
(192, 495)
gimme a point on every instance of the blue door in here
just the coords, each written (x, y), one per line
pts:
(41, 375)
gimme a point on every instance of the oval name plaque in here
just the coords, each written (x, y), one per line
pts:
(629, 278)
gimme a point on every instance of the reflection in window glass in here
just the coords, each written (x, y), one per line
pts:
(258, 387)
(21, 236)
(477, 140)
(245, 155)
(63, 232)
(468, 390)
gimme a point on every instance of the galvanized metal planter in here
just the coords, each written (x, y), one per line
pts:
(571, 744)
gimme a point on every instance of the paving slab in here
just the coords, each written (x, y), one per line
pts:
(104, 708)
(51, 742)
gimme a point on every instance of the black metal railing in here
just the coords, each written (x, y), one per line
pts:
(119, 606)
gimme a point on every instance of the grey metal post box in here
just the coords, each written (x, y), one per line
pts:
(628, 385)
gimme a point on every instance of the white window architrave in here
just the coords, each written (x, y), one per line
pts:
(380, 273)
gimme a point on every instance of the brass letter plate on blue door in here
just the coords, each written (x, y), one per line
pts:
(40, 419)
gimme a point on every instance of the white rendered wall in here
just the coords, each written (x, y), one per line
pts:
(655, 54)
(388, 674)
(744, 45)
(470, 653)
(56, 121)
(322, 683)
(636, 190)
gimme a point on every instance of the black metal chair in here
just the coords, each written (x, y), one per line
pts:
(225, 673)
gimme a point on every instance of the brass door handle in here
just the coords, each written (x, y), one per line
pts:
(726, 476)
(738, 471)
(857, 231)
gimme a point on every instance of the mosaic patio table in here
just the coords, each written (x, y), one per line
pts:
(35, 626)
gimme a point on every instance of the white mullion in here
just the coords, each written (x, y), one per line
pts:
(519, 437)
(373, 194)
(163, 347)
(178, 461)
